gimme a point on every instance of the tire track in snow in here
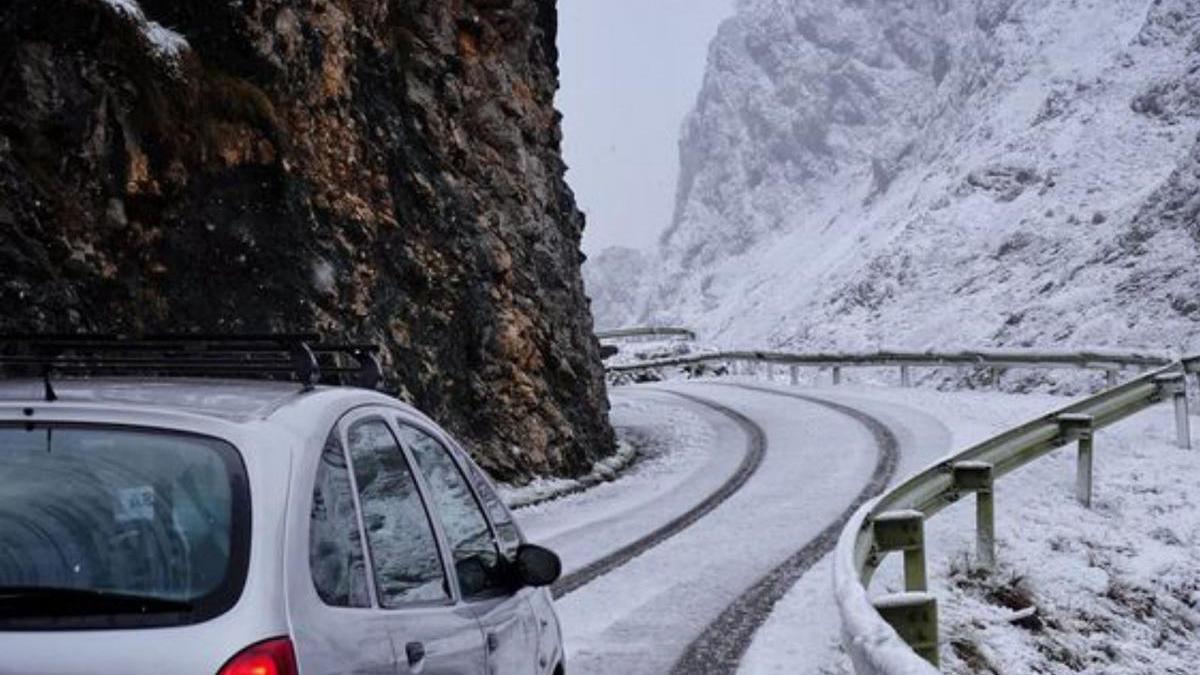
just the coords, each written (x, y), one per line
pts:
(755, 451)
(723, 643)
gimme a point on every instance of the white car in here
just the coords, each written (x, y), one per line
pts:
(157, 524)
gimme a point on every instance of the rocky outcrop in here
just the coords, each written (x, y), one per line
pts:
(382, 169)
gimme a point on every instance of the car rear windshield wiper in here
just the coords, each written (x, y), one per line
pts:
(34, 601)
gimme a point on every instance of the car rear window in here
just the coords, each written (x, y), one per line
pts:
(105, 527)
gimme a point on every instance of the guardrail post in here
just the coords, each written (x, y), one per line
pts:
(771, 372)
(905, 380)
(1111, 378)
(1080, 428)
(1175, 386)
(794, 370)
(837, 375)
(1182, 427)
(1192, 365)
(977, 477)
(914, 617)
(904, 531)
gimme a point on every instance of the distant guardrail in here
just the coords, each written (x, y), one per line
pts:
(1191, 365)
(1111, 362)
(647, 332)
(897, 634)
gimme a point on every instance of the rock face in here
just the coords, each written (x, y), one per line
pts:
(386, 170)
(864, 173)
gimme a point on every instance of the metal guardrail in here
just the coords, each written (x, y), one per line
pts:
(897, 634)
(1112, 362)
(647, 331)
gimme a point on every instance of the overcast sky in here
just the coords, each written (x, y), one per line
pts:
(630, 72)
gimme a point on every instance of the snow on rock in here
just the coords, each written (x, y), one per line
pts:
(165, 42)
(986, 172)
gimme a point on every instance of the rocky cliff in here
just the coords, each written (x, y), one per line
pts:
(866, 173)
(380, 169)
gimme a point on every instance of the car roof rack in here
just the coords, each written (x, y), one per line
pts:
(303, 357)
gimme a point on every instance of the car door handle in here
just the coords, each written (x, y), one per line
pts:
(415, 652)
(493, 642)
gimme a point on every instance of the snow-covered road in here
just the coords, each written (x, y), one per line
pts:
(642, 616)
(694, 459)
(678, 499)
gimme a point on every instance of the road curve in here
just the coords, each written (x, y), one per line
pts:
(755, 451)
(721, 645)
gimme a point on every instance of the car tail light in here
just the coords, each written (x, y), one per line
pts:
(272, 657)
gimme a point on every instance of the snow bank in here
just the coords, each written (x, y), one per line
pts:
(545, 489)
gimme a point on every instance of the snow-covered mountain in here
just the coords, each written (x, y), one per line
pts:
(866, 173)
(614, 280)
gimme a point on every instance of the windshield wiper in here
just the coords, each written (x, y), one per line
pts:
(31, 601)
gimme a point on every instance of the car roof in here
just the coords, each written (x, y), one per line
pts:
(227, 399)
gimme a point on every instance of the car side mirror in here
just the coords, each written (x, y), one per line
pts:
(537, 566)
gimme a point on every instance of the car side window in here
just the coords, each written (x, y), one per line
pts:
(335, 553)
(506, 532)
(481, 570)
(403, 547)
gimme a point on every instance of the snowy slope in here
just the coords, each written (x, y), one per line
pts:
(614, 280)
(922, 174)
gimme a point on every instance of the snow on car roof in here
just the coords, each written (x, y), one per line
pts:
(235, 400)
